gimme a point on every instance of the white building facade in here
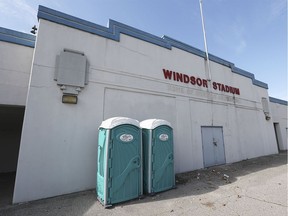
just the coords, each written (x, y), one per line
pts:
(125, 72)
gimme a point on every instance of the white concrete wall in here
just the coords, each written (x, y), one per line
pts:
(59, 141)
(279, 116)
(15, 70)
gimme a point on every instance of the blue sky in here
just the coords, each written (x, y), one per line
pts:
(252, 34)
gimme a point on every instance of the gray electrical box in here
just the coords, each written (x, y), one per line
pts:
(71, 71)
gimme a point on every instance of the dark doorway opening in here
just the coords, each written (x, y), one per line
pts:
(278, 135)
(11, 120)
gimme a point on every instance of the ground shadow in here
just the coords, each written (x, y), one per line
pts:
(209, 179)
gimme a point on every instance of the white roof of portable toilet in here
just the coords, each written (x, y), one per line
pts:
(153, 123)
(115, 121)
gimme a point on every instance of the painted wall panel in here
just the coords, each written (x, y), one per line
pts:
(138, 105)
(15, 69)
(187, 154)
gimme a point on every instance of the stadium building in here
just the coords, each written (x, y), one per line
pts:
(58, 86)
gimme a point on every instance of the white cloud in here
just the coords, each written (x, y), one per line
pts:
(240, 47)
(17, 11)
(232, 37)
(278, 8)
(238, 33)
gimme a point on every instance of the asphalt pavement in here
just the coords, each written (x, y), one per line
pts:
(251, 187)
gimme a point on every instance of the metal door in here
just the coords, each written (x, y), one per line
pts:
(124, 164)
(162, 159)
(213, 146)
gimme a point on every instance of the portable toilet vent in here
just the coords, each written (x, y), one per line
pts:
(158, 162)
(119, 174)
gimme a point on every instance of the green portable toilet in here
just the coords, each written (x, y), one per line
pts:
(158, 158)
(119, 174)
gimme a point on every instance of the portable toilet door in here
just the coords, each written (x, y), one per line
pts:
(119, 174)
(158, 157)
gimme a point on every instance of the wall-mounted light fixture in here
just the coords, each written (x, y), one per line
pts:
(71, 74)
(70, 99)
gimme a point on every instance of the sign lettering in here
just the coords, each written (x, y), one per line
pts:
(184, 78)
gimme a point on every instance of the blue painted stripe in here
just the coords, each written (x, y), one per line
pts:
(133, 32)
(220, 61)
(112, 32)
(279, 101)
(249, 75)
(115, 29)
(73, 22)
(183, 46)
(16, 37)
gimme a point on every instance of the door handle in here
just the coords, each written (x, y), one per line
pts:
(214, 142)
(137, 161)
